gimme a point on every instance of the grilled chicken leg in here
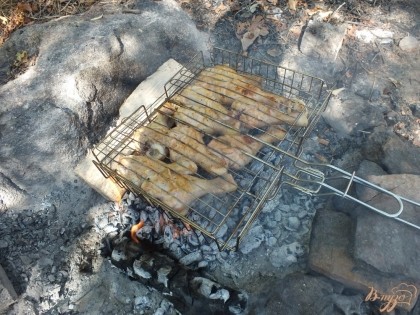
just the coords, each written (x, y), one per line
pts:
(178, 191)
(161, 124)
(187, 143)
(238, 150)
(204, 113)
(138, 168)
(252, 102)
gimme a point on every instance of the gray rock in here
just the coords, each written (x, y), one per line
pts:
(415, 109)
(384, 148)
(11, 194)
(252, 240)
(7, 292)
(293, 223)
(348, 114)
(367, 168)
(45, 261)
(382, 242)
(349, 305)
(331, 254)
(409, 44)
(3, 244)
(286, 255)
(191, 258)
(84, 70)
(299, 294)
(322, 40)
(398, 163)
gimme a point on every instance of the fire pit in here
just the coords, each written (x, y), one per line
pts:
(224, 138)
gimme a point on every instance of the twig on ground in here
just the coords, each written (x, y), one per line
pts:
(380, 51)
(371, 89)
(335, 11)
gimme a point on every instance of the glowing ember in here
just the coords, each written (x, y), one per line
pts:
(134, 229)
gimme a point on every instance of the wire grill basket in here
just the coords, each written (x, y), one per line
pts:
(221, 213)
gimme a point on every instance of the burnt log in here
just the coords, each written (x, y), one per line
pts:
(188, 289)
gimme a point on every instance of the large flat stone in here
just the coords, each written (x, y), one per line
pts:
(7, 293)
(348, 114)
(331, 255)
(146, 93)
(398, 162)
(397, 156)
(322, 39)
(384, 243)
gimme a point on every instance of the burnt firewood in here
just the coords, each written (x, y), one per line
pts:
(188, 290)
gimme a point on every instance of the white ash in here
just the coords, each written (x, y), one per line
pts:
(163, 275)
(293, 224)
(165, 308)
(142, 303)
(191, 258)
(253, 239)
(139, 271)
(286, 254)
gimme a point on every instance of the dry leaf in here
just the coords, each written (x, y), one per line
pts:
(247, 40)
(273, 2)
(253, 7)
(263, 31)
(255, 29)
(292, 4)
(273, 52)
(97, 18)
(25, 7)
(256, 21)
(241, 28)
(3, 19)
(313, 11)
(395, 82)
(220, 8)
(21, 56)
(323, 141)
(324, 15)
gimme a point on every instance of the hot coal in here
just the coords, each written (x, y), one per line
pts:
(187, 289)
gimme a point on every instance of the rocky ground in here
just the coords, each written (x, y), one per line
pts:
(321, 254)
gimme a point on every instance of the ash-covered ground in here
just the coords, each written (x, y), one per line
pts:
(53, 226)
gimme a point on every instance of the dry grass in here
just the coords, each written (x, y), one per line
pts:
(15, 13)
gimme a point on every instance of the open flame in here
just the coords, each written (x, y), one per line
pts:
(134, 229)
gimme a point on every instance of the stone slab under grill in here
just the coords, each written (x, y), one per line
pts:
(145, 94)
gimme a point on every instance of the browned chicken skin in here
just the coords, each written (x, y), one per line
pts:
(170, 183)
(161, 124)
(143, 165)
(237, 150)
(209, 116)
(178, 191)
(187, 143)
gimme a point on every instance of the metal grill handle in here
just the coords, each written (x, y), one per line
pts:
(310, 180)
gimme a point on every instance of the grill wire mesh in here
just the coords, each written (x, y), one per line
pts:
(221, 205)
